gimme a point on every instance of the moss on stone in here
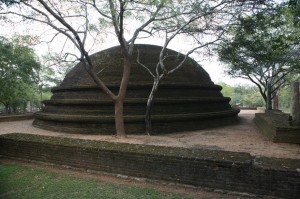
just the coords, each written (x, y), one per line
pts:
(176, 152)
(7, 118)
(78, 105)
(277, 127)
(275, 121)
(277, 163)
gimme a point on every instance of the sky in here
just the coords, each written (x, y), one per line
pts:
(210, 64)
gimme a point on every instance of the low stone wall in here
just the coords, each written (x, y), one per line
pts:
(234, 171)
(7, 118)
(276, 127)
(245, 108)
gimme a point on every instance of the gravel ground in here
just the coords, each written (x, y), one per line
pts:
(243, 137)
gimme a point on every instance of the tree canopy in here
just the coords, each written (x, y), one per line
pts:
(18, 69)
(82, 21)
(242, 95)
(263, 48)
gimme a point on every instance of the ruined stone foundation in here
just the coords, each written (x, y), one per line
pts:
(186, 100)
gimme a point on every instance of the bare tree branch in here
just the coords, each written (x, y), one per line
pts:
(145, 67)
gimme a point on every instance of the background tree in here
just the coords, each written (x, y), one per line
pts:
(203, 23)
(242, 95)
(82, 21)
(73, 19)
(198, 19)
(294, 6)
(228, 91)
(249, 96)
(263, 48)
(18, 69)
(55, 68)
(51, 74)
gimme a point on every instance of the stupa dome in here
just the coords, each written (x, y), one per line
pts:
(186, 100)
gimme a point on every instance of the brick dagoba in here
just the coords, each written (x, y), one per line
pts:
(186, 100)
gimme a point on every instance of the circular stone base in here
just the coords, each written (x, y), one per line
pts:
(186, 100)
(134, 125)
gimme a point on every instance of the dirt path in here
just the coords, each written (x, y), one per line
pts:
(244, 137)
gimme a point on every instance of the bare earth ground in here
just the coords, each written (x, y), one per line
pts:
(243, 137)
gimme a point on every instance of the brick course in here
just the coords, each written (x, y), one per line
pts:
(234, 171)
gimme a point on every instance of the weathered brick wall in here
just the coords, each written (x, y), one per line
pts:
(276, 127)
(8, 118)
(218, 169)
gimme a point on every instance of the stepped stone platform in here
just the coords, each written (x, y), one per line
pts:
(6, 118)
(276, 126)
(186, 100)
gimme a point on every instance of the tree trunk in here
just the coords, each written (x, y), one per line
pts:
(14, 109)
(275, 101)
(41, 100)
(119, 119)
(119, 102)
(295, 109)
(263, 94)
(24, 107)
(269, 98)
(150, 102)
(6, 109)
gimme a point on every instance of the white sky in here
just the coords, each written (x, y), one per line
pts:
(211, 64)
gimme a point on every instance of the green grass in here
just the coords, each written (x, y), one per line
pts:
(18, 181)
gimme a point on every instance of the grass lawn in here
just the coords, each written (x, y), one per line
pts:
(19, 181)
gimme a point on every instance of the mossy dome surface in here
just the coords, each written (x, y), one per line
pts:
(186, 100)
(109, 66)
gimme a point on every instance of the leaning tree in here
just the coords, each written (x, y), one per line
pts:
(203, 24)
(81, 21)
(76, 21)
(263, 48)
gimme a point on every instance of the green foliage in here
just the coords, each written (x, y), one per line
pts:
(47, 94)
(285, 99)
(227, 91)
(24, 79)
(242, 95)
(54, 70)
(27, 182)
(249, 96)
(263, 48)
(9, 2)
(18, 71)
(258, 43)
(295, 10)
